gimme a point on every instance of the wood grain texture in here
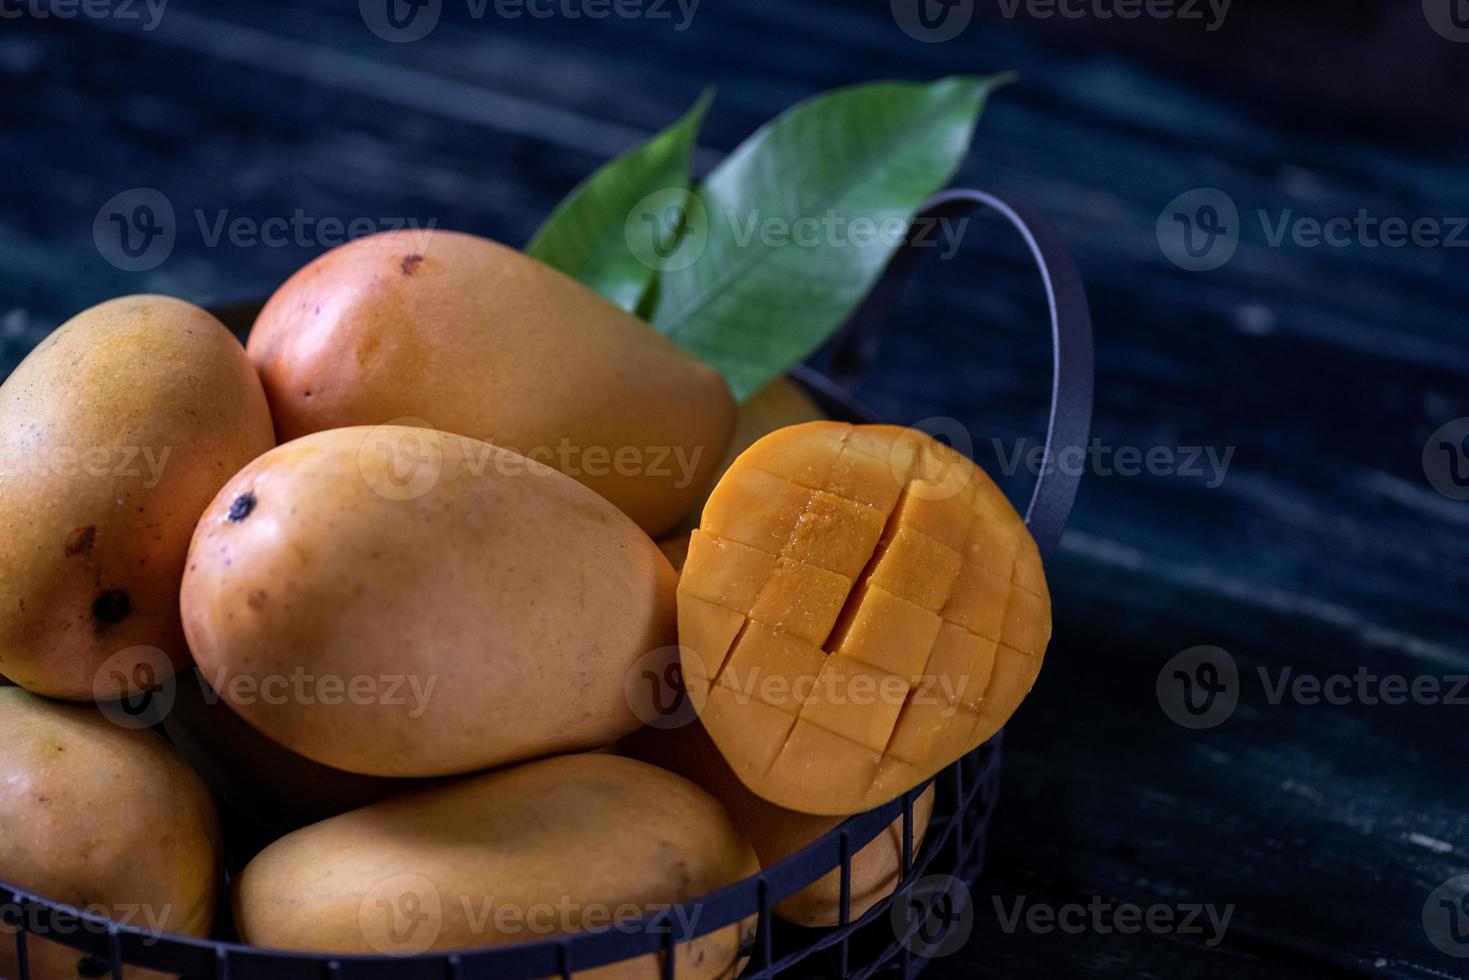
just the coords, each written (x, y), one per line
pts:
(1323, 370)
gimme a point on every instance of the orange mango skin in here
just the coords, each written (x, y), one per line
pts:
(488, 616)
(115, 433)
(590, 832)
(860, 607)
(478, 339)
(778, 833)
(94, 814)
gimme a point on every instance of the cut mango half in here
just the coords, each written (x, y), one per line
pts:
(860, 607)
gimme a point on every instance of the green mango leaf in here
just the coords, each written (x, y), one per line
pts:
(792, 230)
(590, 236)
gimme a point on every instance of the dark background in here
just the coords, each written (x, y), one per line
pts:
(1324, 369)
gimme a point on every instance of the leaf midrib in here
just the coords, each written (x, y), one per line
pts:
(869, 162)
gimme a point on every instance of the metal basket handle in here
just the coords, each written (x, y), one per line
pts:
(1072, 373)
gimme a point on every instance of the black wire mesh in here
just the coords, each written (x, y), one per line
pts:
(881, 942)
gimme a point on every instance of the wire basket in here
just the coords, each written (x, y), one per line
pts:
(894, 937)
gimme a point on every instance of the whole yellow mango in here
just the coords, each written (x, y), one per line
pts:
(543, 849)
(115, 433)
(777, 833)
(403, 602)
(103, 818)
(474, 338)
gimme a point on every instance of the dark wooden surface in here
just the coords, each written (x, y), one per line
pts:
(1324, 548)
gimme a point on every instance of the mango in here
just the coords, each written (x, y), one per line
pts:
(777, 833)
(468, 336)
(398, 601)
(273, 788)
(860, 607)
(777, 405)
(115, 433)
(103, 818)
(544, 849)
(781, 403)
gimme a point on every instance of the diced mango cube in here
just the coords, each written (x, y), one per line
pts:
(960, 667)
(837, 534)
(856, 702)
(918, 568)
(802, 600)
(725, 572)
(978, 601)
(889, 633)
(774, 668)
(755, 508)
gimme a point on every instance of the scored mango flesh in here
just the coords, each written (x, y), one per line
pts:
(860, 607)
